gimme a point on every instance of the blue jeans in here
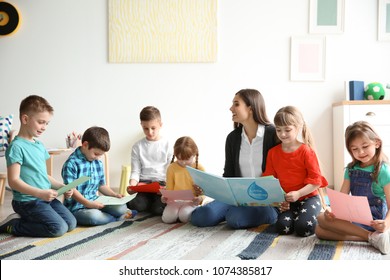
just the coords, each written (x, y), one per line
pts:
(237, 217)
(95, 217)
(42, 219)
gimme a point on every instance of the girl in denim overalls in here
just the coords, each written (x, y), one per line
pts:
(367, 175)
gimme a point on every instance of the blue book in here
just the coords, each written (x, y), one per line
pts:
(239, 191)
(356, 90)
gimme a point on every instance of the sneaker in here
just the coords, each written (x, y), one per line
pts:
(128, 215)
(381, 241)
(7, 224)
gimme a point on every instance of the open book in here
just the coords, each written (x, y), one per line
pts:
(239, 191)
(350, 208)
(72, 185)
(110, 200)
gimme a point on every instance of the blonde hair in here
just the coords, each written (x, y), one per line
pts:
(365, 130)
(185, 147)
(290, 115)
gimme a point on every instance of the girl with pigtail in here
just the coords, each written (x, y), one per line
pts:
(185, 153)
(294, 162)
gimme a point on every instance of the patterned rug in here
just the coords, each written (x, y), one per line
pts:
(147, 238)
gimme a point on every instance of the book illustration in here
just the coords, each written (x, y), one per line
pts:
(350, 208)
(178, 195)
(72, 185)
(153, 187)
(240, 191)
(110, 200)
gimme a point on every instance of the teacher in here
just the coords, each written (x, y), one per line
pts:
(246, 150)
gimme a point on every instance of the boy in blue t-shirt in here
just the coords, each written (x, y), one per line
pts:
(84, 161)
(38, 211)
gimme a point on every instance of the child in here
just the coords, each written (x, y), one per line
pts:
(178, 178)
(367, 175)
(296, 166)
(150, 158)
(84, 161)
(38, 211)
(246, 150)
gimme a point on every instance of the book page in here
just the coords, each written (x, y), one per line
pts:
(111, 200)
(72, 185)
(261, 191)
(213, 186)
(178, 196)
(350, 208)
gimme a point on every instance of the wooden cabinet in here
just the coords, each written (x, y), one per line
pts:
(345, 113)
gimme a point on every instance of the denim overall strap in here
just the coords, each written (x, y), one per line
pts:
(361, 185)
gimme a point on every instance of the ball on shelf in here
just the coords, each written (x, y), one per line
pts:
(374, 91)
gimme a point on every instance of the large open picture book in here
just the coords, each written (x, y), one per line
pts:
(239, 191)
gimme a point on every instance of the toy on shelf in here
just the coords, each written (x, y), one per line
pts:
(374, 91)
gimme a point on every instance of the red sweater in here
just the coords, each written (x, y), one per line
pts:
(295, 170)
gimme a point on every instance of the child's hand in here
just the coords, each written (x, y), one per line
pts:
(329, 215)
(95, 205)
(292, 196)
(118, 195)
(164, 199)
(129, 190)
(379, 225)
(197, 200)
(48, 195)
(198, 190)
(68, 194)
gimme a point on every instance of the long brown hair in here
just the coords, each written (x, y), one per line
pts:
(365, 130)
(253, 98)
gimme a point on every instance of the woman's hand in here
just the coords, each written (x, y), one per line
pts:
(284, 206)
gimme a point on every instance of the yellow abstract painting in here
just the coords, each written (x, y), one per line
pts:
(158, 31)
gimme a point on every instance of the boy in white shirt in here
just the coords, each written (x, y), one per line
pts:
(150, 158)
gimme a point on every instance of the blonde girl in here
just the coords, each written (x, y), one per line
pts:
(294, 162)
(368, 174)
(186, 153)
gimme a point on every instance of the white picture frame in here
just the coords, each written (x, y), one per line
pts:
(326, 16)
(383, 20)
(307, 58)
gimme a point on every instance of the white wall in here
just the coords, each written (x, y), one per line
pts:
(61, 51)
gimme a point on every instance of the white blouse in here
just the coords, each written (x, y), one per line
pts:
(251, 155)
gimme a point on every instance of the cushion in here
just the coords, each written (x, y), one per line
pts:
(5, 129)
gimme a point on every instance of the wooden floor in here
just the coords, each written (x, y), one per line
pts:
(6, 208)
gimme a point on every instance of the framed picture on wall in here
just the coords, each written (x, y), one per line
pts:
(384, 20)
(307, 58)
(326, 16)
